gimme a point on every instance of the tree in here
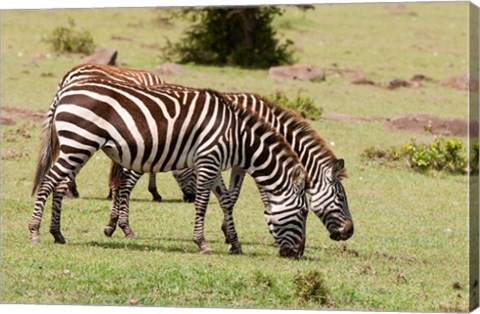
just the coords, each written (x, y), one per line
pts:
(241, 36)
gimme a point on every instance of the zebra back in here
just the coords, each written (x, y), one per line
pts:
(92, 70)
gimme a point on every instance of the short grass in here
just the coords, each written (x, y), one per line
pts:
(410, 248)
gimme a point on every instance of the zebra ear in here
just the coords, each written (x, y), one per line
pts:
(298, 178)
(339, 166)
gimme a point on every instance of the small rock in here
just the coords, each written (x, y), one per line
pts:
(170, 68)
(66, 272)
(107, 56)
(302, 72)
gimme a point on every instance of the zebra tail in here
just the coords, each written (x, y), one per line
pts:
(49, 147)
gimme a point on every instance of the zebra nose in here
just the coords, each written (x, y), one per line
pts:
(347, 231)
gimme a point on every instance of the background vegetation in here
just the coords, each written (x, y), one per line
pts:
(410, 248)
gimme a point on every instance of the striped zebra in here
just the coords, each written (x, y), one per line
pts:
(324, 170)
(157, 130)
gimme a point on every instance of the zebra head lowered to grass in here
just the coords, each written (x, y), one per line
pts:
(158, 130)
(324, 170)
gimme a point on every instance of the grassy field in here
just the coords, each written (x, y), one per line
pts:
(410, 248)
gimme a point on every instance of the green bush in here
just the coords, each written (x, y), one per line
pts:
(442, 154)
(304, 106)
(69, 40)
(240, 36)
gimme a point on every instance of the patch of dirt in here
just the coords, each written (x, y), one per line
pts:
(415, 81)
(427, 123)
(301, 72)
(418, 122)
(462, 82)
(8, 115)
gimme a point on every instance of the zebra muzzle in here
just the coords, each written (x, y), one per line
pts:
(344, 233)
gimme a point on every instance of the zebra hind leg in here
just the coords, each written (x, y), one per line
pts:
(57, 198)
(127, 183)
(54, 176)
(152, 188)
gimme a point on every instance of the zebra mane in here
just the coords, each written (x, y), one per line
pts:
(304, 130)
(251, 118)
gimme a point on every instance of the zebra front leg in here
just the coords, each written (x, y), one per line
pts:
(228, 226)
(127, 183)
(57, 198)
(204, 184)
(152, 188)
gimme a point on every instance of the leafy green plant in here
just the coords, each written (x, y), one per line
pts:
(69, 40)
(442, 154)
(231, 36)
(304, 106)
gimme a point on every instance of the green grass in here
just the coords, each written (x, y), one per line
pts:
(410, 248)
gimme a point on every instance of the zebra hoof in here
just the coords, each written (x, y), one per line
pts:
(158, 199)
(108, 231)
(189, 198)
(130, 236)
(35, 239)
(236, 251)
(59, 239)
(206, 251)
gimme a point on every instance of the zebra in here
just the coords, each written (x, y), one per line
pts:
(93, 114)
(324, 170)
(134, 76)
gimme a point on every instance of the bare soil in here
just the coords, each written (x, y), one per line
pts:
(8, 115)
(418, 123)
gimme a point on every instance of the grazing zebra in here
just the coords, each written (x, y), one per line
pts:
(156, 130)
(324, 170)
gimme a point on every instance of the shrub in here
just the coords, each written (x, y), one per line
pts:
(69, 40)
(240, 36)
(442, 154)
(304, 106)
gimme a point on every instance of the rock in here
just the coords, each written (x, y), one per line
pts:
(170, 68)
(461, 82)
(302, 72)
(422, 123)
(107, 56)
(6, 121)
